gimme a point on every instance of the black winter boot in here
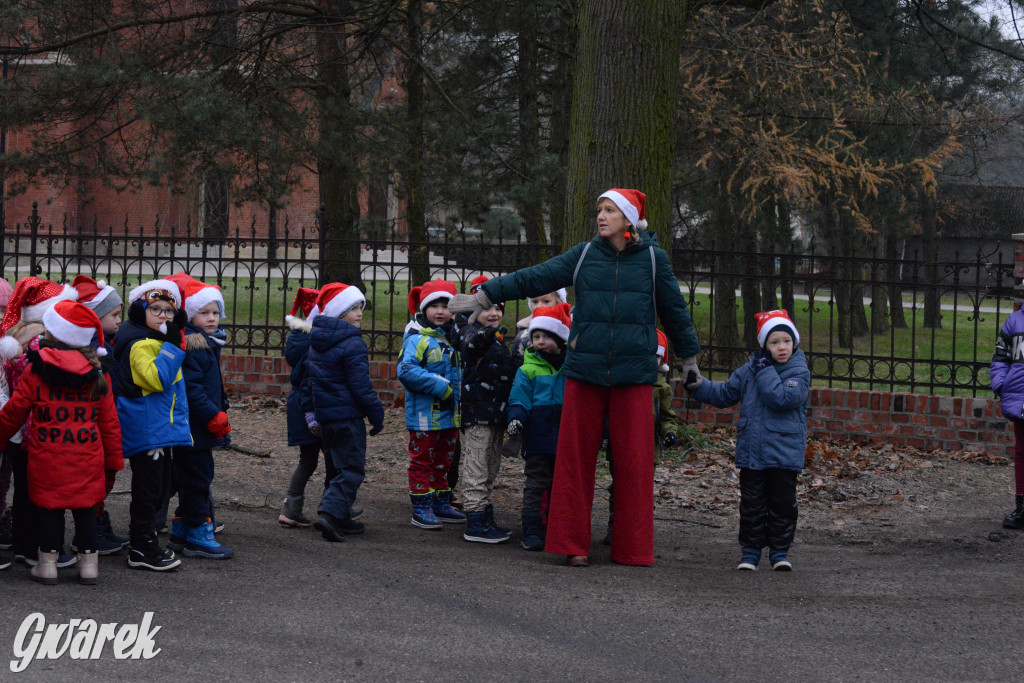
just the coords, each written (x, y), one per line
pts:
(1015, 520)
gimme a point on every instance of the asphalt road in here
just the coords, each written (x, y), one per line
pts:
(938, 601)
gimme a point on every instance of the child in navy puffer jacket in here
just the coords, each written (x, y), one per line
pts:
(339, 377)
(773, 387)
(300, 403)
(1007, 373)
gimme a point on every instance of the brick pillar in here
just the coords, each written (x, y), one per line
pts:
(1018, 270)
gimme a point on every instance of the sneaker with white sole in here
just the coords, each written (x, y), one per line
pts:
(781, 564)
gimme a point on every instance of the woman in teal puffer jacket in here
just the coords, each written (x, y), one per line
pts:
(623, 285)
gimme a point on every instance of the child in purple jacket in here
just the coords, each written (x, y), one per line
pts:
(1007, 373)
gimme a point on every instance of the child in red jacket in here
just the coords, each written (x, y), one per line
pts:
(75, 434)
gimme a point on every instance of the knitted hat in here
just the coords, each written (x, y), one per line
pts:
(770, 321)
(96, 294)
(662, 349)
(632, 203)
(563, 296)
(305, 301)
(5, 292)
(336, 299)
(421, 297)
(33, 296)
(74, 324)
(474, 287)
(196, 294)
(553, 319)
(154, 290)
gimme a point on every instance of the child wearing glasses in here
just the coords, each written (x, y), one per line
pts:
(153, 408)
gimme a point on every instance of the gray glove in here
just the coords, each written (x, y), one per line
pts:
(470, 304)
(514, 427)
(690, 373)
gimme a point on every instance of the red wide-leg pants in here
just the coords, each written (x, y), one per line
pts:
(630, 411)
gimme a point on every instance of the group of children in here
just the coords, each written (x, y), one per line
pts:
(82, 390)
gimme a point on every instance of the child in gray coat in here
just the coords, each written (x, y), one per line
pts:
(772, 388)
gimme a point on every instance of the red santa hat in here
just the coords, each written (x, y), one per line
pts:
(96, 294)
(305, 301)
(74, 324)
(31, 298)
(336, 299)
(156, 289)
(421, 297)
(563, 296)
(662, 349)
(553, 319)
(632, 203)
(771, 321)
(196, 294)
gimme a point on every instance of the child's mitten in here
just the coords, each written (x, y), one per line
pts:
(515, 427)
(219, 425)
(763, 362)
(311, 422)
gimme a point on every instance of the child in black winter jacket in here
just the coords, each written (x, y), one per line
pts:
(486, 382)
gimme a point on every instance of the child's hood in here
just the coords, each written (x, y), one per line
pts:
(328, 332)
(62, 367)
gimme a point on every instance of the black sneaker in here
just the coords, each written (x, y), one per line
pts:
(329, 527)
(157, 561)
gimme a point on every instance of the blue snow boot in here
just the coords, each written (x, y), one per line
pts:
(479, 530)
(176, 541)
(423, 511)
(199, 542)
(490, 520)
(443, 509)
(533, 534)
(106, 530)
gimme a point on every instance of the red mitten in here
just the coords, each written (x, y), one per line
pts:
(219, 425)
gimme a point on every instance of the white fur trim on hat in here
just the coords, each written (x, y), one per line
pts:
(34, 312)
(342, 301)
(549, 324)
(625, 206)
(563, 296)
(65, 331)
(296, 323)
(430, 298)
(203, 297)
(137, 293)
(774, 322)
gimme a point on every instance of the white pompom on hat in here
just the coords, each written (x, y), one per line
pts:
(770, 321)
(662, 350)
(553, 319)
(74, 324)
(31, 298)
(632, 203)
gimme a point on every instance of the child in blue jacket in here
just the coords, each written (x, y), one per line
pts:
(773, 387)
(153, 409)
(428, 368)
(343, 395)
(535, 410)
(192, 524)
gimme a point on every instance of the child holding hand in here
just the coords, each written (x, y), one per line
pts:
(772, 388)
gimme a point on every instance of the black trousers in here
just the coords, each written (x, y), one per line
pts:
(768, 509)
(193, 473)
(453, 471)
(51, 529)
(540, 472)
(309, 456)
(24, 514)
(151, 486)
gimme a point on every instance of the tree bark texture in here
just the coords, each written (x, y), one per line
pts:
(531, 204)
(625, 91)
(929, 230)
(419, 253)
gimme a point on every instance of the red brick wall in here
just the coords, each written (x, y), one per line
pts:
(917, 420)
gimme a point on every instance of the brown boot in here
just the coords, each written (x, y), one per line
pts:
(45, 571)
(88, 567)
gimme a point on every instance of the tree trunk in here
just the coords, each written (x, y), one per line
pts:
(932, 300)
(561, 108)
(724, 330)
(419, 251)
(531, 206)
(338, 175)
(879, 296)
(750, 290)
(787, 264)
(896, 315)
(624, 108)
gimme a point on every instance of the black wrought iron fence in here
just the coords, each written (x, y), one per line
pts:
(874, 323)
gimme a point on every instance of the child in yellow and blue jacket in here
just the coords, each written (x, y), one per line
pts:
(153, 409)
